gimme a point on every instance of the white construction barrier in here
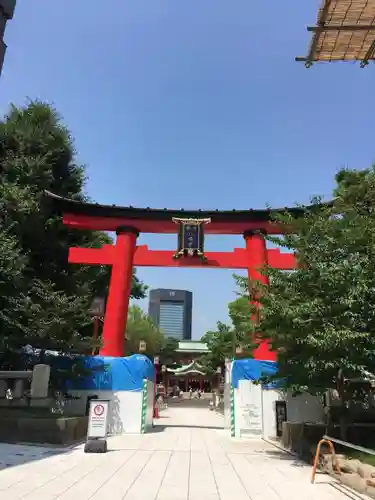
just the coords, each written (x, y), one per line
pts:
(127, 383)
(253, 406)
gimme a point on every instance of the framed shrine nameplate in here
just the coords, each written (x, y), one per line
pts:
(190, 237)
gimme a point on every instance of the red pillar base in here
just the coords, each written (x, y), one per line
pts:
(264, 353)
(156, 412)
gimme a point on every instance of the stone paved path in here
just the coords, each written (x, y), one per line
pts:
(179, 461)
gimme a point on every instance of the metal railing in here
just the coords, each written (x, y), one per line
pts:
(329, 441)
(350, 445)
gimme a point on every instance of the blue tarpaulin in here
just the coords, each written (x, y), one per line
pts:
(114, 374)
(252, 369)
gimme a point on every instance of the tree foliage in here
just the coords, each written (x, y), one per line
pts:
(43, 299)
(12, 265)
(240, 314)
(220, 343)
(223, 341)
(320, 318)
(140, 327)
(168, 352)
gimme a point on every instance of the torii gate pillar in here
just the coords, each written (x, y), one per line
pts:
(116, 313)
(257, 259)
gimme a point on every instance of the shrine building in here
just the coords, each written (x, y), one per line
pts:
(187, 372)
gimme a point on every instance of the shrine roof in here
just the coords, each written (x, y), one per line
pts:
(96, 216)
(193, 367)
(192, 346)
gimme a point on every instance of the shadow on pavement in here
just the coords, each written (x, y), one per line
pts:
(12, 455)
(295, 462)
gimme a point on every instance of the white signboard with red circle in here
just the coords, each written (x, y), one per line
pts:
(98, 410)
(98, 418)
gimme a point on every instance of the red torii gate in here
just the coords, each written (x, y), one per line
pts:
(128, 222)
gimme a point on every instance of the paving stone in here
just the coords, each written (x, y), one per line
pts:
(187, 457)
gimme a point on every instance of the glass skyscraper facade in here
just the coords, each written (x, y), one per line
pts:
(171, 319)
(171, 310)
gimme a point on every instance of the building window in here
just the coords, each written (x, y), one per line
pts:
(171, 319)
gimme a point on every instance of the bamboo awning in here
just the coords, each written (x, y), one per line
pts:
(345, 31)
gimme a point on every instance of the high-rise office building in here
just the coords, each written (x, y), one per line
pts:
(6, 12)
(172, 310)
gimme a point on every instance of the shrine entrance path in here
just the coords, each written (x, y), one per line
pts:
(186, 457)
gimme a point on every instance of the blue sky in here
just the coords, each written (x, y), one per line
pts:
(194, 104)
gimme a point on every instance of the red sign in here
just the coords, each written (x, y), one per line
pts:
(99, 410)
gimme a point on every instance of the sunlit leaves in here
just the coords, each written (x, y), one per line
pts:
(43, 299)
(321, 317)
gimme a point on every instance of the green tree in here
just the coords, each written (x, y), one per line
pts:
(320, 318)
(168, 352)
(45, 299)
(220, 343)
(140, 327)
(12, 264)
(240, 316)
(223, 341)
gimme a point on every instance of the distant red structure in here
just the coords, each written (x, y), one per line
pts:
(128, 222)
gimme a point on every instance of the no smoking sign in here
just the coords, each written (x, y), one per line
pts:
(97, 428)
(99, 410)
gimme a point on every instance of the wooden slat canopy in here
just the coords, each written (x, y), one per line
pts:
(345, 31)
